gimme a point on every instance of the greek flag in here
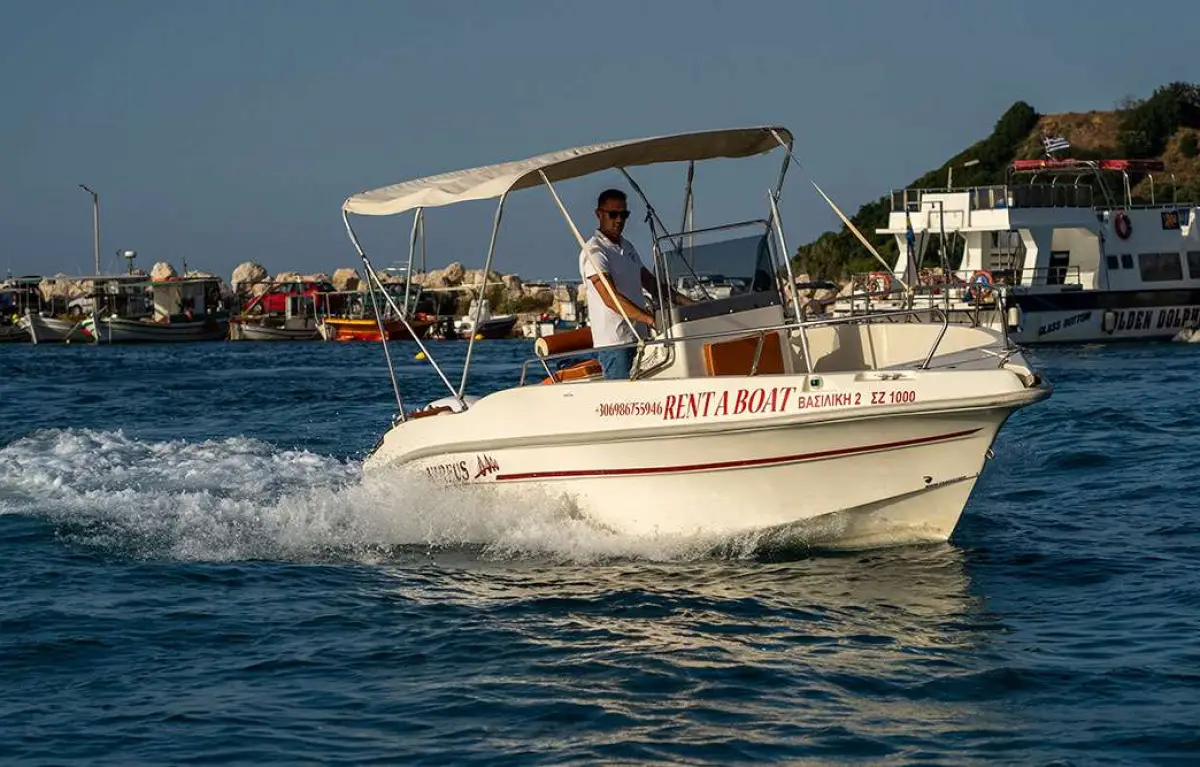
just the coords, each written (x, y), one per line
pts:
(1055, 144)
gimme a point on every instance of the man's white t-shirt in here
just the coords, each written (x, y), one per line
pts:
(624, 268)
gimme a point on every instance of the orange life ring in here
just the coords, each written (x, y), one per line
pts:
(1122, 225)
(882, 279)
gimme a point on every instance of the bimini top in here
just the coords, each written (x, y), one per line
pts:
(492, 181)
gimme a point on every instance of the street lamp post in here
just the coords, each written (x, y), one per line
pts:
(95, 225)
(950, 172)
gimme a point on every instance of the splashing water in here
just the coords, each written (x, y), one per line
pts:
(240, 498)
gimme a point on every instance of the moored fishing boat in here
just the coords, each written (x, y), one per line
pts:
(283, 311)
(360, 317)
(182, 309)
(364, 329)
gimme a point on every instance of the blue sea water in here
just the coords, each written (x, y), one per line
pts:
(193, 570)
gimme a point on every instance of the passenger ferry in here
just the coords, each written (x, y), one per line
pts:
(1060, 250)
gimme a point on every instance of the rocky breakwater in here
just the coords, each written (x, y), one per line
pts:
(251, 279)
(507, 293)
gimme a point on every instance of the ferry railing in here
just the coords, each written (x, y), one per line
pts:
(761, 333)
(1002, 196)
(1040, 275)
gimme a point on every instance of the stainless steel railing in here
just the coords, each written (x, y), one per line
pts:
(802, 327)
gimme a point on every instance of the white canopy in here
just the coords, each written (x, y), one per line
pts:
(491, 181)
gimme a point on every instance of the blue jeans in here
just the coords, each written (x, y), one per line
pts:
(617, 363)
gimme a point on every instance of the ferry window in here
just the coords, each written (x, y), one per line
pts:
(1126, 261)
(1194, 264)
(1160, 267)
(1113, 263)
(1060, 261)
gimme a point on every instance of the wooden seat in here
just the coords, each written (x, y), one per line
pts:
(735, 358)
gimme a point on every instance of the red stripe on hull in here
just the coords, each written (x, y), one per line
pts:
(798, 457)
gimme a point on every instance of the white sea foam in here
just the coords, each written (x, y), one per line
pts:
(240, 499)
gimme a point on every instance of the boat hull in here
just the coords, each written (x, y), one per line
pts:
(497, 327)
(1102, 316)
(119, 330)
(253, 331)
(48, 330)
(836, 473)
(335, 329)
(13, 334)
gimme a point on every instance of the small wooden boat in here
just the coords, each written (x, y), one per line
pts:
(174, 329)
(262, 329)
(43, 329)
(366, 329)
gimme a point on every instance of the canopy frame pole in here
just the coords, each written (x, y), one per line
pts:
(783, 168)
(612, 292)
(387, 353)
(778, 226)
(676, 239)
(688, 208)
(787, 148)
(660, 259)
(487, 270)
(371, 276)
(418, 228)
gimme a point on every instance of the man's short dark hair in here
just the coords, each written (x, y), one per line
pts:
(610, 194)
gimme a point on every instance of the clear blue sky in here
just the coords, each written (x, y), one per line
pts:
(221, 131)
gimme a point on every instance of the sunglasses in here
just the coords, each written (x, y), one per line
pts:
(616, 214)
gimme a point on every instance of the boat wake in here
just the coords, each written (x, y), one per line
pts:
(243, 499)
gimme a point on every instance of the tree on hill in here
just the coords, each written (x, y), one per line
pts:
(1146, 126)
(1143, 130)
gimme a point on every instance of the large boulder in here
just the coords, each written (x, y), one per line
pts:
(161, 271)
(248, 277)
(453, 274)
(315, 277)
(346, 278)
(434, 279)
(803, 293)
(825, 296)
(287, 277)
(475, 277)
(512, 287)
(63, 288)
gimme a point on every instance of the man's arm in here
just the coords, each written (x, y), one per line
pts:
(632, 310)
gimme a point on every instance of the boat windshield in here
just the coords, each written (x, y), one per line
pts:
(716, 270)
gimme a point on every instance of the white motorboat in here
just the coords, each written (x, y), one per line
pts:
(479, 321)
(1061, 252)
(739, 418)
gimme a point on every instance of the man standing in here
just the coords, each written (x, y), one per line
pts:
(610, 255)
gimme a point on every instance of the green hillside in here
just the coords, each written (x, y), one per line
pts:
(1164, 126)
